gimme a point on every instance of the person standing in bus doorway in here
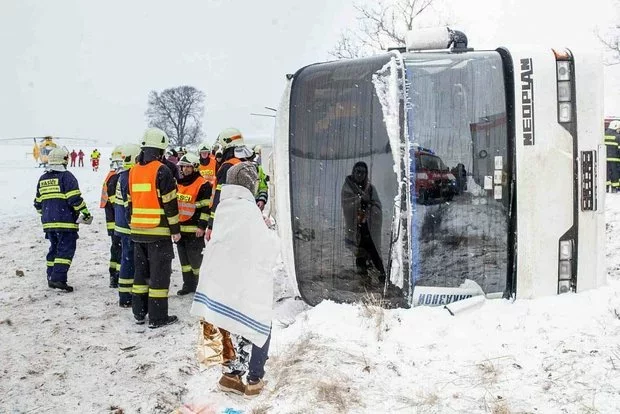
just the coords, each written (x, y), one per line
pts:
(612, 143)
(194, 198)
(154, 221)
(237, 295)
(73, 157)
(363, 217)
(81, 158)
(108, 194)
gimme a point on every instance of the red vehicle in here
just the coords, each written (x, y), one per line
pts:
(433, 181)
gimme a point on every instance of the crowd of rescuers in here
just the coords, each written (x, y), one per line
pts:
(155, 197)
(145, 206)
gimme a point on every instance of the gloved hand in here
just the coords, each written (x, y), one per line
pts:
(85, 217)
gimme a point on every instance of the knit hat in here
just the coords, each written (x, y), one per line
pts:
(244, 174)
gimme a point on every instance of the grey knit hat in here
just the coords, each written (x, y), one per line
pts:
(244, 174)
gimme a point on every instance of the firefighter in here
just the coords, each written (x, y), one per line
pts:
(234, 152)
(208, 164)
(612, 140)
(194, 196)
(94, 159)
(107, 203)
(59, 201)
(81, 158)
(154, 221)
(262, 194)
(122, 216)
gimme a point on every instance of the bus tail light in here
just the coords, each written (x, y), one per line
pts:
(564, 69)
(565, 266)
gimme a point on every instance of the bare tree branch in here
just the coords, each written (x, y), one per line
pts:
(178, 111)
(380, 24)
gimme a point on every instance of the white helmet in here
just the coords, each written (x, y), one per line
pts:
(204, 147)
(58, 156)
(155, 138)
(189, 159)
(130, 152)
(117, 153)
(230, 137)
(615, 124)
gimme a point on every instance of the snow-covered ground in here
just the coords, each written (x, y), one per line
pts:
(80, 352)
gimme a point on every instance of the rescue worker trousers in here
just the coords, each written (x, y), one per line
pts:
(60, 254)
(190, 250)
(115, 255)
(153, 266)
(125, 276)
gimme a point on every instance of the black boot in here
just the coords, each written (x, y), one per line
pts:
(158, 323)
(186, 290)
(60, 285)
(114, 281)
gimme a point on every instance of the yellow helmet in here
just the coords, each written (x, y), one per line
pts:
(117, 153)
(130, 152)
(230, 137)
(58, 156)
(155, 138)
(189, 159)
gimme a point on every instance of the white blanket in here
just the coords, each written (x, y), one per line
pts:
(235, 291)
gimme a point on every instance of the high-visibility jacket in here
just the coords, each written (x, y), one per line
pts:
(262, 193)
(121, 223)
(108, 192)
(59, 201)
(221, 180)
(613, 158)
(209, 169)
(148, 215)
(194, 196)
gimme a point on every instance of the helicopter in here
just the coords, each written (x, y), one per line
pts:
(44, 145)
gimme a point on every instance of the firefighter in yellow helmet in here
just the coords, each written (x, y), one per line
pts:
(122, 217)
(234, 152)
(61, 206)
(107, 203)
(194, 197)
(154, 221)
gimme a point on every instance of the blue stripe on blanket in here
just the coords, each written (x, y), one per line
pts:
(231, 313)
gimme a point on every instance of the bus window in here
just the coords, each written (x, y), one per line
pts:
(342, 182)
(460, 195)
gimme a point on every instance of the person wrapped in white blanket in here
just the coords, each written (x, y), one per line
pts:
(236, 294)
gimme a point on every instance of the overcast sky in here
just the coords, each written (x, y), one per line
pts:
(84, 68)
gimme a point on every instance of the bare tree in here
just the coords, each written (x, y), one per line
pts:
(178, 111)
(381, 24)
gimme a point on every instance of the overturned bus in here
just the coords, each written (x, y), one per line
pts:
(438, 172)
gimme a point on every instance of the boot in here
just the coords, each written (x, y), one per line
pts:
(254, 388)
(140, 319)
(231, 383)
(114, 281)
(60, 285)
(158, 323)
(186, 290)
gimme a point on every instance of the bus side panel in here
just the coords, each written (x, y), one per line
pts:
(544, 170)
(591, 270)
(281, 183)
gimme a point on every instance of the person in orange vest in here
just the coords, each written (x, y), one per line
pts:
(208, 164)
(107, 203)
(154, 221)
(194, 198)
(234, 152)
